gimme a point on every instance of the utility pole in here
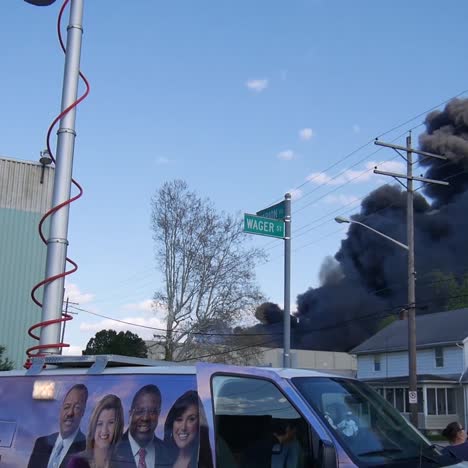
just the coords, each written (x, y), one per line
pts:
(287, 283)
(412, 362)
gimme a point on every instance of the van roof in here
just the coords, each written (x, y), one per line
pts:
(114, 364)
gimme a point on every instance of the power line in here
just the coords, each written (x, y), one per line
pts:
(272, 244)
(336, 325)
(233, 350)
(396, 127)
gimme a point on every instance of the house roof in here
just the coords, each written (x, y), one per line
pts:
(442, 328)
(422, 378)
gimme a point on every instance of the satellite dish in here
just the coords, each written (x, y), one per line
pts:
(40, 2)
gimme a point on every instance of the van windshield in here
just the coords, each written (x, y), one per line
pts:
(368, 427)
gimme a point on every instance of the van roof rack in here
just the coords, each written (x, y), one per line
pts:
(95, 364)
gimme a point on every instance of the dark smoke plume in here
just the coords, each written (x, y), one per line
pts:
(447, 134)
(367, 282)
(268, 313)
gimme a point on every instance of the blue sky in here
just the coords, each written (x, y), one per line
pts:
(244, 100)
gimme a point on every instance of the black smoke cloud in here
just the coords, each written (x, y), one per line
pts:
(366, 281)
(447, 134)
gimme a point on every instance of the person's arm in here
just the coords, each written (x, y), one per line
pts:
(294, 458)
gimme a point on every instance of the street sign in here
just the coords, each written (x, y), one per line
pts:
(263, 226)
(277, 211)
(413, 397)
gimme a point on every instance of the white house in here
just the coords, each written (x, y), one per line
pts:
(442, 357)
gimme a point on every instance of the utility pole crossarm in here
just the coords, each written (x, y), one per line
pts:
(411, 150)
(403, 176)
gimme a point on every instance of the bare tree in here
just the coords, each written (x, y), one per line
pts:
(208, 273)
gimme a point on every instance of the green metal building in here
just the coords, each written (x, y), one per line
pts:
(25, 195)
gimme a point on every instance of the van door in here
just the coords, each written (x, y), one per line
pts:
(256, 419)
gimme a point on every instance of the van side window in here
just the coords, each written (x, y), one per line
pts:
(256, 426)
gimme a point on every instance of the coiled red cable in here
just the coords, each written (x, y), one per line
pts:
(35, 351)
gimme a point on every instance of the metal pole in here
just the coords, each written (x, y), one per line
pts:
(64, 324)
(413, 391)
(57, 241)
(287, 283)
(391, 239)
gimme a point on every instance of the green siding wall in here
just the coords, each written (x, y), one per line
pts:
(22, 265)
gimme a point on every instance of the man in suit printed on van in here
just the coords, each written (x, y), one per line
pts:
(54, 450)
(139, 446)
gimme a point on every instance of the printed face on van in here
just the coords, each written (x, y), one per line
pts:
(144, 418)
(185, 428)
(73, 408)
(105, 429)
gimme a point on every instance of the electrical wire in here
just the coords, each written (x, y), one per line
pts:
(396, 286)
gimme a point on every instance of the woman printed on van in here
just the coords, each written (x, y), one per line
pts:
(186, 431)
(104, 432)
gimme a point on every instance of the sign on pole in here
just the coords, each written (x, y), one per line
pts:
(277, 211)
(275, 221)
(263, 226)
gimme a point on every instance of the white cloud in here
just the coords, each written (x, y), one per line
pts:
(286, 155)
(356, 176)
(342, 199)
(73, 350)
(356, 128)
(320, 178)
(161, 161)
(392, 166)
(257, 85)
(295, 194)
(143, 306)
(73, 293)
(306, 134)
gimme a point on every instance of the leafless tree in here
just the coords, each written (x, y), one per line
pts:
(208, 273)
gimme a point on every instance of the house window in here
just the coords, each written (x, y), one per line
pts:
(400, 399)
(441, 401)
(420, 401)
(431, 401)
(451, 403)
(376, 363)
(389, 395)
(439, 357)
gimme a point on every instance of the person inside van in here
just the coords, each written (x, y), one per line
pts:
(182, 431)
(54, 450)
(105, 431)
(287, 450)
(139, 446)
(348, 426)
(456, 435)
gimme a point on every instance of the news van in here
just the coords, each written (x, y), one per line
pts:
(62, 408)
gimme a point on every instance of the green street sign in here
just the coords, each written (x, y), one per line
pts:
(277, 211)
(263, 226)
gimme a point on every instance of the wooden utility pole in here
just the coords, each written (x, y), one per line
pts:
(411, 307)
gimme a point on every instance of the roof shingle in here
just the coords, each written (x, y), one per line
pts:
(431, 329)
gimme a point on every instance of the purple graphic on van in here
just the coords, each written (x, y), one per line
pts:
(76, 421)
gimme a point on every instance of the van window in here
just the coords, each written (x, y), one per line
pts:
(366, 425)
(256, 425)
